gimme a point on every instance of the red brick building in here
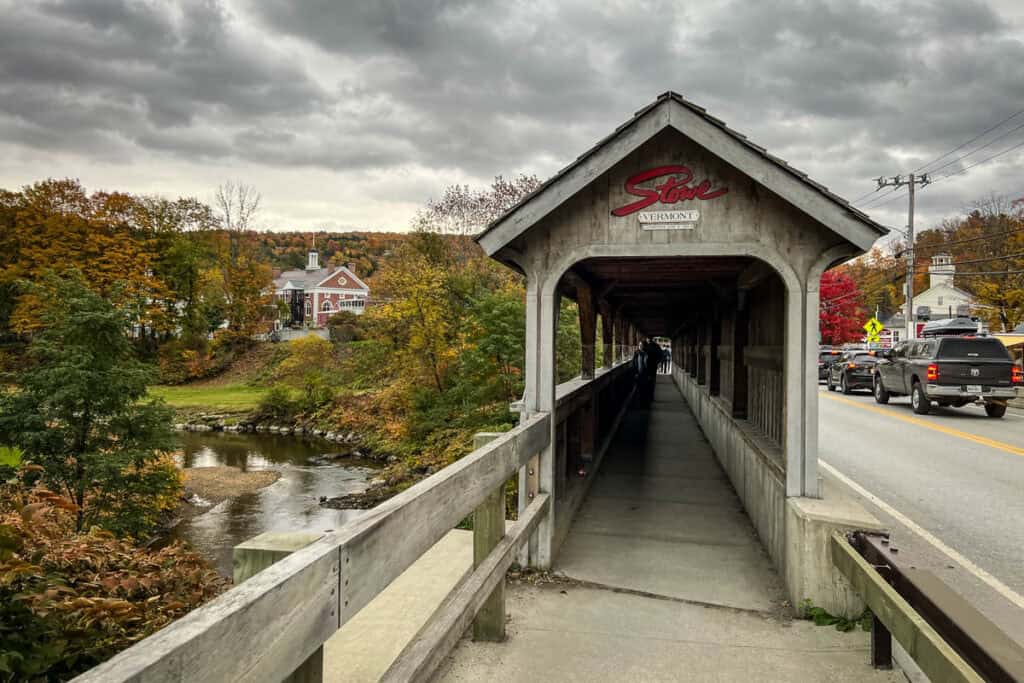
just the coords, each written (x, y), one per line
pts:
(315, 293)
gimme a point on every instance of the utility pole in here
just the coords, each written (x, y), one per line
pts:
(911, 182)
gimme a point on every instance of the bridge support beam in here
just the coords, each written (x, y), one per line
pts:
(542, 307)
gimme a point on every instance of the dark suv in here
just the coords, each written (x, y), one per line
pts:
(853, 370)
(951, 371)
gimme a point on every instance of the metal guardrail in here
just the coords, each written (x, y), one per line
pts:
(948, 638)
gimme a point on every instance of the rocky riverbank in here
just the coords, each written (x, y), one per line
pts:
(226, 422)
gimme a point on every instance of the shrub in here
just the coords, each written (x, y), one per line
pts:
(276, 404)
(70, 600)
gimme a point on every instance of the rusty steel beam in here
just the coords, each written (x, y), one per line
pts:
(981, 643)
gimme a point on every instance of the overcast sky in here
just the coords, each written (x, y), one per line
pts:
(349, 115)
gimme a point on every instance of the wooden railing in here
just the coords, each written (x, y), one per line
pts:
(274, 624)
(269, 626)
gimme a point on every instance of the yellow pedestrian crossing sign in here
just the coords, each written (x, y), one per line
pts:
(873, 327)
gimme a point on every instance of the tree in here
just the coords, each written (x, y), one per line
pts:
(245, 278)
(841, 314)
(237, 204)
(465, 211)
(77, 409)
(58, 227)
(181, 236)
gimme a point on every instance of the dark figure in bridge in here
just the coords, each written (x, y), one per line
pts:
(666, 356)
(645, 367)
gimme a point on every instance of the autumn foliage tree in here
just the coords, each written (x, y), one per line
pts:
(77, 408)
(55, 226)
(841, 315)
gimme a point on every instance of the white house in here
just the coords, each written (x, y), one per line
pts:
(315, 293)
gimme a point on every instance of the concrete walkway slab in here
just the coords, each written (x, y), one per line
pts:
(571, 633)
(662, 518)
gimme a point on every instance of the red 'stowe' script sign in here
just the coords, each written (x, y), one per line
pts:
(676, 188)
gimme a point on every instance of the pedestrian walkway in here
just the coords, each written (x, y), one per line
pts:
(662, 579)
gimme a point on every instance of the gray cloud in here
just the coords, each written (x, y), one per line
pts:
(463, 90)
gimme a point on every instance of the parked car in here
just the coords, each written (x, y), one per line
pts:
(951, 371)
(826, 356)
(853, 370)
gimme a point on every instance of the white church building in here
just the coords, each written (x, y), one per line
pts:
(941, 300)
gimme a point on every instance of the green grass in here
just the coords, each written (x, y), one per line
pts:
(230, 397)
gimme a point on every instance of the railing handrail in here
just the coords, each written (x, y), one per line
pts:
(283, 614)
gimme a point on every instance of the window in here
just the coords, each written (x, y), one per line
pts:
(326, 306)
(973, 348)
(940, 301)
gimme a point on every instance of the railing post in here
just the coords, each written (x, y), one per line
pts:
(258, 553)
(488, 530)
(881, 644)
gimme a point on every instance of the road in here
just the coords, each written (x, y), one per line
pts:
(949, 486)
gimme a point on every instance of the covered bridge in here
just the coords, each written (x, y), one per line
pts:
(677, 226)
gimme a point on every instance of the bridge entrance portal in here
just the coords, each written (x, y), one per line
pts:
(676, 226)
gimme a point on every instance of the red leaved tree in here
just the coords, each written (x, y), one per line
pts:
(842, 316)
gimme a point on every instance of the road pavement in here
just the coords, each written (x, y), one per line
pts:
(949, 485)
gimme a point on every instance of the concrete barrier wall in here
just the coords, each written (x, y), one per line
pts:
(795, 531)
(752, 463)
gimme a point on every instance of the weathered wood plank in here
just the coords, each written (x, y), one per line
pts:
(935, 657)
(380, 546)
(278, 618)
(435, 640)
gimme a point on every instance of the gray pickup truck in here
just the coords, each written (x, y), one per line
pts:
(951, 371)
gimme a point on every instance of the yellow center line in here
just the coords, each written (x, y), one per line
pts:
(992, 443)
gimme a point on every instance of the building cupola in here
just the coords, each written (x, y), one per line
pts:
(314, 261)
(941, 271)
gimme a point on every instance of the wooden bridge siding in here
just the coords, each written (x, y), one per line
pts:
(738, 355)
(763, 356)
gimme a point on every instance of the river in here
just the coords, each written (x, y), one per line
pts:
(289, 504)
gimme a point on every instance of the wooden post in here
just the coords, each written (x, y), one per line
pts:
(607, 334)
(621, 347)
(488, 530)
(258, 553)
(588, 329)
(881, 644)
(740, 335)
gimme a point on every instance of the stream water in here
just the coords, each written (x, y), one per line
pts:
(289, 504)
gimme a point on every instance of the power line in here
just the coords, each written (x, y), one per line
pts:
(978, 149)
(884, 194)
(979, 163)
(976, 137)
(965, 241)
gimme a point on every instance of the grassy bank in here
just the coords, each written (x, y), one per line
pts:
(214, 397)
